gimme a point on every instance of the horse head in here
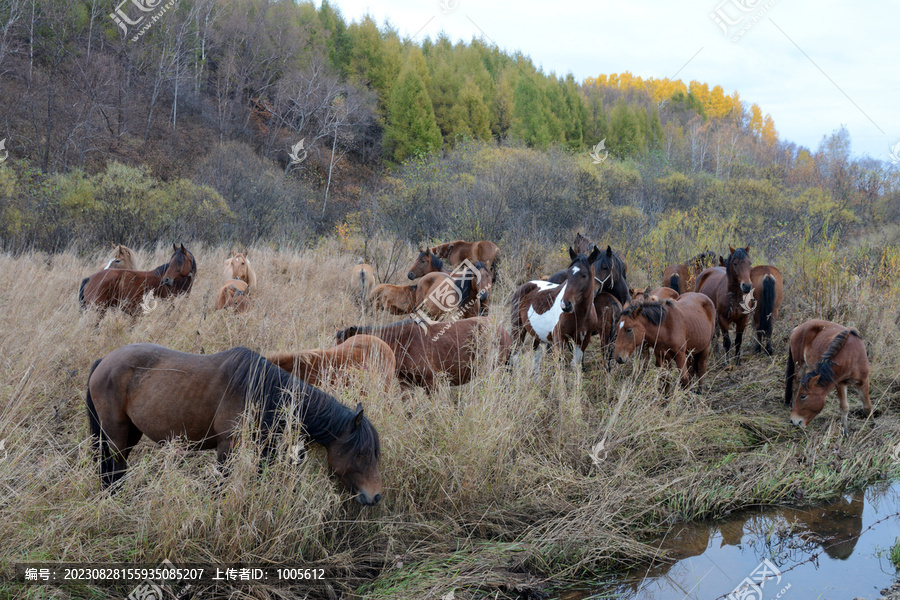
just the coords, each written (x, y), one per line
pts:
(353, 456)
(630, 335)
(737, 266)
(424, 264)
(579, 280)
(810, 399)
(180, 265)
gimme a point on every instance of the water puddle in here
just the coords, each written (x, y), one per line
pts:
(836, 551)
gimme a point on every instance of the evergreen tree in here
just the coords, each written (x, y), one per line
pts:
(411, 128)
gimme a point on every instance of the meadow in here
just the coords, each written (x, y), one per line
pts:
(508, 486)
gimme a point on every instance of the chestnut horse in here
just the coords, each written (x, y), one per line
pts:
(362, 280)
(427, 353)
(238, 267)
(395, 299)
(554, 313)
(145, 389)
(680, 330)
(582, 244)
(657, 295)
(463, 293)
(234, 293)
(124, 258)
(683, 277)
(729, 288)
(427, 263)
(362, 352)
(768, 292)
(608, 311)
(828, 356)
(125, 288)
(455, 253)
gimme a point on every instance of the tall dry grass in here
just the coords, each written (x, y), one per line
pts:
(506, 483)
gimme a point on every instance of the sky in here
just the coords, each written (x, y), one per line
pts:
(813, 66)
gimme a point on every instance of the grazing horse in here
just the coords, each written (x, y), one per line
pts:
(679, 330)
(827, 355)
(234, 293)
(768, 291)
(395, 299)
(125, 288)
(238, 267)
(682, 277)
(124, 258)
(145, 389)
(362, 280)
(362, 352)
(729, 288)
(463, 296)
(553, 313)
(426, 353)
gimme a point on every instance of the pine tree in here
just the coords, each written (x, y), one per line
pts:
(411, 128)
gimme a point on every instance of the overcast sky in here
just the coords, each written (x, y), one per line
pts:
(812, 65)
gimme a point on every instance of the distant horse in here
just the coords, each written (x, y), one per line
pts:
(464, 296)
(126, 288)
(610, 272)
(582, 244)
(680, 330)
(426, 263)
(395, 299)
(427, 353)
(145, 389)
(123, 258)
(234, 293)
(835, 356)
(729, 288)
(362, 352)
(455, 253)
(554, 314)
(768, 291)
(362, 280)
(238, 267)
(683, 277)
(657, 295)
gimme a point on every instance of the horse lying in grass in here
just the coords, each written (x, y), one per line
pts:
(147, 390)
(682, 277)
(238, 267)
(427, 353)
(728, 287)
(676, 330)
(362, 352)
(362, 280)
(123, 258)
(768, 292)
(825, 356)
(395, 299)
(234, 293)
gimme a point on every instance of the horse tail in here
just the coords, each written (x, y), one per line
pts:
(674, 282)
(93, 418)
(767, 306)
(495, 268)
(363, 284)
(81, 301)
(789, 379)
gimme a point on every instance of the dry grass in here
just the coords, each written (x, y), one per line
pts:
(499, 485)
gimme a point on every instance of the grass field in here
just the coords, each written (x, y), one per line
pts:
(503, 485)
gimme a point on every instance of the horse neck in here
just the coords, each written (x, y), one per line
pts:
(322, 416)
(390, 333)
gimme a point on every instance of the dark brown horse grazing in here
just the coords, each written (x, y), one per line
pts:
(554, 313)
(728, 287)
(835, 356)
(125, 288)
(768, 291)
(145, 389)
(395, 299)
(682, 277)
(427, 353)
(679, 330)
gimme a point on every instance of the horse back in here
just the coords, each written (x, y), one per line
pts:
(699, 315)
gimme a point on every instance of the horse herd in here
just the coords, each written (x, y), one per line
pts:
(145, 389)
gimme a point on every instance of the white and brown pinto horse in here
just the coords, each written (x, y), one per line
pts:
(554, 313)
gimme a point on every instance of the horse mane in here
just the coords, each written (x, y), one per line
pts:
(654, 311)
(739, 253)
(436, 261)
(824, 369)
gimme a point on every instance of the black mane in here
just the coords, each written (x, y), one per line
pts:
(824, 369)
(161, 269)
(739, 254)
(654, 311)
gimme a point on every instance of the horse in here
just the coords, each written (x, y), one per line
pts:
(726, 286)
(679, 330)
(426, 263)
(428, 352)
(582, 244)
(610, 272)
(682, 277)
(362, 352)
(145, 389)
(608, 311)
(125, 288)
(238, 267)
(464, 296)
(234, 293)
(395, 299)
(768, 292)
(362, 280)
(656, 295)
(553, 313)
(430, 259)
(124, 258)
(828, 356)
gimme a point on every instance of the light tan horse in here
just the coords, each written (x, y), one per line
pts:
(238, 267)
(362, 281)
(395, 299)
(366, 353)
(234, 293)
(123, 258)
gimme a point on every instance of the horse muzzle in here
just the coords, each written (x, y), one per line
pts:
(746, 287)
(797, 421)
(367, 500)
(622, 359)
(168, 282)
(567, 306)
(411, 275)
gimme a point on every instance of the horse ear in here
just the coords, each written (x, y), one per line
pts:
(731, 249)
(572, 254)
(637, 311)
(183, 248)
(609, 251)
(747, 249)
(175, 247)
(595, 254)
(358, 419)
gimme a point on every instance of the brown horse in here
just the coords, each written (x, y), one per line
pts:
(238, 267)
(454, 253)
(555, 313)
(395, 299)
(145, 389)
(657, 295)
(123, 258)
(828, 356)
(426, 263)
(362, 352)
(463, 293)
(583, 244)
(362, 280)
(768, 292)
(608, 311)
(126, 288)
(683, 277)
(427, 353)
(729, 288)
(679, 330)
(234, 293)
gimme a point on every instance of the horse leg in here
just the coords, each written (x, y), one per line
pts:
(700, 368)
(726, 343)
(115, 446)
(738, 337)
(538, 357)
(864, 395)
(681, 363)
(845, 406)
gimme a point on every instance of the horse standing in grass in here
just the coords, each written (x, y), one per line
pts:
(677, 330)
(683, 277)
(427, 353)
(827, 356)
(126, 288)
(362, 280)
(426, 263)
(768, 292)
(431, 260)
(395, 299)
(234, 293)
(608, 310)
(729, 288)
(147, 390)
(610, 272)
(238, 267)
(554, 313)
(123, 258)
(465, 295)
(362, 352)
